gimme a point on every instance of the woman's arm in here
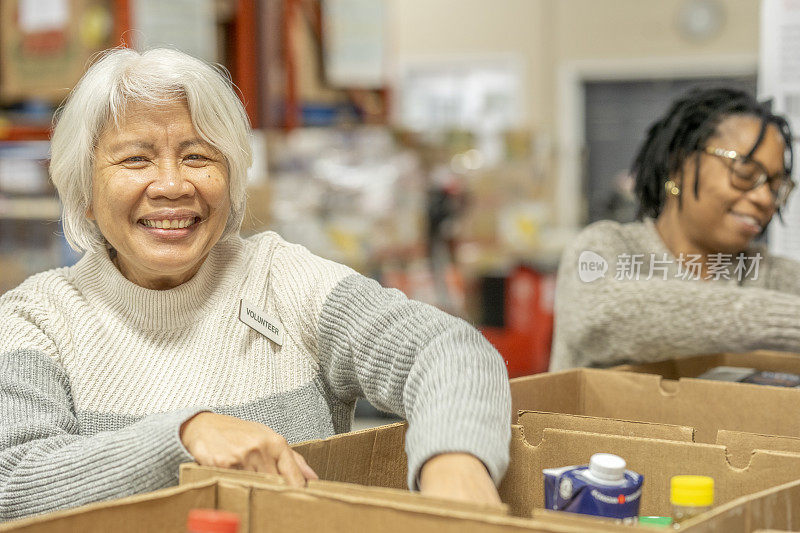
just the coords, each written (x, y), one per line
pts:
(409, 358)
(45, 464)
(404, 356)
(606, 321)
(784, 275)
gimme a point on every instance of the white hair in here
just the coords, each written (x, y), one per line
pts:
(156, 77)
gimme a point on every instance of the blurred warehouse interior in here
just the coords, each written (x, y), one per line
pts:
(449, 148)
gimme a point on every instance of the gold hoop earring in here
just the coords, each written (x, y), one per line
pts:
(672, 188)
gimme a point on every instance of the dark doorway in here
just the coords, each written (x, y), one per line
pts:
(618, 114)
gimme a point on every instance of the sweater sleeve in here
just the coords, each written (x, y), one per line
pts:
(45, 462)
(421, 363)
(784, 275)
(606, 321)
(405, 357)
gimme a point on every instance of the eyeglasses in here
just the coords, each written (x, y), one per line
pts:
(748, 174)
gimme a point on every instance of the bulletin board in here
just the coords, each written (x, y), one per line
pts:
(46, 45)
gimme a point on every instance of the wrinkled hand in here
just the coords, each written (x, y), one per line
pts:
(458, 476)
(228, 442)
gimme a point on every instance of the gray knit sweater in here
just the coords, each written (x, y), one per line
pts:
(97, 374)
(618, 318)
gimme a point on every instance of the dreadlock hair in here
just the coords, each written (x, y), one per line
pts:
(683, 132)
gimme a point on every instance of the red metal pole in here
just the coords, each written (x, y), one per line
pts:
(292, 110)
(122, 21)
(246, 58)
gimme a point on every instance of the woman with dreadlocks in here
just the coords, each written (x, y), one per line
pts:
(687, 277)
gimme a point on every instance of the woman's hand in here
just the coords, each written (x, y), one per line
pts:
(228, 442)
(458, 476)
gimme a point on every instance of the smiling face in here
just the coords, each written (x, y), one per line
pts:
(722, 218)
(159, 194)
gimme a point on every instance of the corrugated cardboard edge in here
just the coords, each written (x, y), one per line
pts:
(672, 403)
(695, 365)
(740, 443)
(108, 504)
(235, 489)
(586, 523)
(522, 488)
(740, 515)
(361, 470)
(534, 423)
(474, 519)
(235, 498)
(193, 473)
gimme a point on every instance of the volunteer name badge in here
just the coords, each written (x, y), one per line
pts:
(260, 321)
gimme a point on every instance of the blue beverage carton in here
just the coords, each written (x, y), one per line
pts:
(602, 488)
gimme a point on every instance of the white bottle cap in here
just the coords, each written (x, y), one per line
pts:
(607, 467)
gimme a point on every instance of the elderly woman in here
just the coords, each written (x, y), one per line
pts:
(687, 278)
(173, 339)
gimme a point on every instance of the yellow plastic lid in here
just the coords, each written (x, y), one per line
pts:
(692, 491)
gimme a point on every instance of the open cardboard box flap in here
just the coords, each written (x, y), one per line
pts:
(656, 459)
(775, 509)
(377, 457)
(693, 366)
(369, 457)
(162, 510)
(265, 503)
(705, 406)
(194, 473)
(265, 506)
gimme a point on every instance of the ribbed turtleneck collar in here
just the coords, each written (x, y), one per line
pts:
(105, 288)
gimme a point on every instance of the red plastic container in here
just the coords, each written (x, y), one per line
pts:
(526, 339)
(212, 521)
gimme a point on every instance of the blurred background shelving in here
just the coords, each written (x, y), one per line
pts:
(449, 148)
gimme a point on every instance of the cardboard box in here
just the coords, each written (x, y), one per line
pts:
(739, 434)
(334, 507)
(264, 503)
(775, 509)
(162, 510)
(716, 412)
(656, 459)
(193, 473)
(690, 367)
(377, 458)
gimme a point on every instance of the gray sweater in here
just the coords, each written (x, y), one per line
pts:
(618, 318)
(97, 374)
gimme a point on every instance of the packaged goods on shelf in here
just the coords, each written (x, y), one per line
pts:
(352, 196)
(23, 168)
